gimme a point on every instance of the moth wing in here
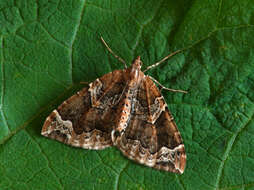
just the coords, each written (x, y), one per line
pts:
(151, 136)
(86, 119)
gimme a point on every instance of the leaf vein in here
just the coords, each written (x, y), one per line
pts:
(119, 176)
(47, 159)
(180, 182)
(76, 29)
(226, 154)
(142, 25)
(219, 13)
(3, 86)
(51, 35)
(12, 133)
(101, 159)
(238, 186)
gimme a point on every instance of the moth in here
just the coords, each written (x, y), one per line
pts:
(125, 109)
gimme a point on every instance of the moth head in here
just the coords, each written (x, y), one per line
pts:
(137, 63)
(136, 67)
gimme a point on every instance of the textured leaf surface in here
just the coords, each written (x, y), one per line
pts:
(48, 47)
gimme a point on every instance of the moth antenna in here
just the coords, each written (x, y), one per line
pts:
(83, 82)
(116, 56)
(165, 88)
(161, 61)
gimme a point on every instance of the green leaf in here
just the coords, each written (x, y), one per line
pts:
(48, 47)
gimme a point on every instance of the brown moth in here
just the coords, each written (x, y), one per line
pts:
(123, 108)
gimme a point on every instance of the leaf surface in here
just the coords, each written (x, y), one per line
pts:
(48, 47)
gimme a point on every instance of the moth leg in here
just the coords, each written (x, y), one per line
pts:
(165, 88)
(116, 56)
(161, 61)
